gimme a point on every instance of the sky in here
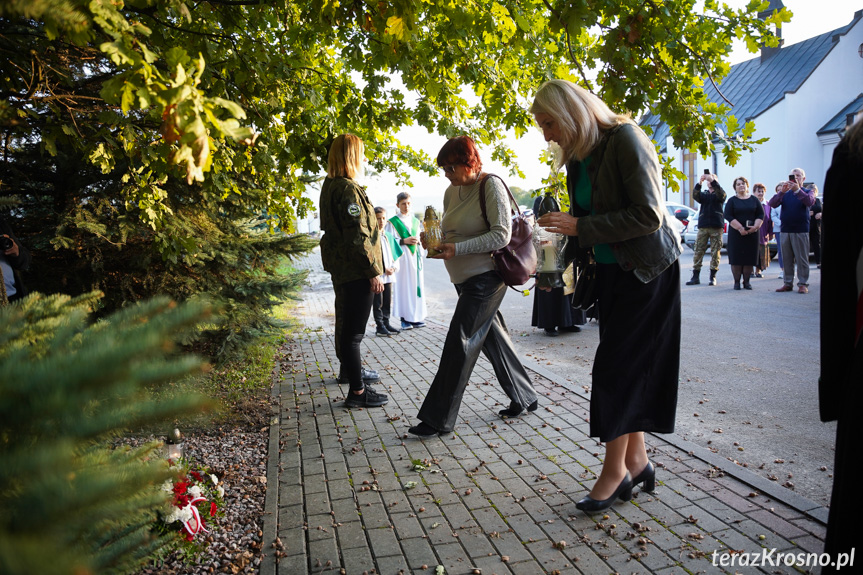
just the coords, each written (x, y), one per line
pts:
(811, 18)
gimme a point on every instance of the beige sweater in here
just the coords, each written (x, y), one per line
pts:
(463, 225)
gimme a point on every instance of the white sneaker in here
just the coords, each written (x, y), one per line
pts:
(782, 275)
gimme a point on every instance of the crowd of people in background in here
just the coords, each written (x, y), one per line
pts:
(792, 217)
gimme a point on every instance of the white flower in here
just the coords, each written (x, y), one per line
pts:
(184, 514)
(168, 486)
(174, 515)
(195, 491)
(214, 479)
(220, 490)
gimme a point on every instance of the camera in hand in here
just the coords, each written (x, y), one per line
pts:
(6, 243)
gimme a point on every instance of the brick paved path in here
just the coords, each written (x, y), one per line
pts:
(344, 493)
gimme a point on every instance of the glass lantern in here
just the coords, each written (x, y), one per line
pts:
(549, 248)
(432, 230)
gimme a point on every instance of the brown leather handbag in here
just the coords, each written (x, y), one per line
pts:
(516, 261)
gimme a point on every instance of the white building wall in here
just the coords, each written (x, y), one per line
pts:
(833, 85)
(770, 162)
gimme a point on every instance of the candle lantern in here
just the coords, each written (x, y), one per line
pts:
(174, 445)
(432, 230)
(549, 248)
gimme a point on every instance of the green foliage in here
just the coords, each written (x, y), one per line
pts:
(65, 388)
(522, 196)
(143, 135)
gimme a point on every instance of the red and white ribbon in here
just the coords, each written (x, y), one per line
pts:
(195, 520)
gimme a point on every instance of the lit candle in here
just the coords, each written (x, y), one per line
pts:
(549, 259)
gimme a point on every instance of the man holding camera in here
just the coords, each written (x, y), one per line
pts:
(13, 257)
(795, 201)
(710, 224)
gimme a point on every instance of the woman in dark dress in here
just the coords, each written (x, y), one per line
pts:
(744, 214)
(617, 210)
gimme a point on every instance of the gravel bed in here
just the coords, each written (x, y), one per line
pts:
(238, 457)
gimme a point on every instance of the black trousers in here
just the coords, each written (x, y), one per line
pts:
(382, 305)
(476, 326)
(353, 306)
(815, 240)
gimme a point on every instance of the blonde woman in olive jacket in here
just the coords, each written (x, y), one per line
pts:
(614, 182)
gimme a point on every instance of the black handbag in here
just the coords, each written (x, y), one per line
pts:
(516, 261)
(585, 295)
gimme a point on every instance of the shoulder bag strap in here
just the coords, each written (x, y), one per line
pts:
(482, 198)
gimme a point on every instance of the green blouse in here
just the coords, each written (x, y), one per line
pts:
(583, 194)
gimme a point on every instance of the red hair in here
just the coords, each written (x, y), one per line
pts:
(460, 150)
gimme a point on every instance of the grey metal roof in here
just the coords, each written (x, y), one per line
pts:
(840, 121)
(754, 86)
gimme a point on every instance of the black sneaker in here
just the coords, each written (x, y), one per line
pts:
(381, 331)
(368, 398)
(369, 376)
(407, 325)
(418, 323)
(391, 329)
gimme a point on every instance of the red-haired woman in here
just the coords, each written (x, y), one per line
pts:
(476, 324)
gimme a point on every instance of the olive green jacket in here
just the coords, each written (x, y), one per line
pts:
(628, 211)
(350, 246)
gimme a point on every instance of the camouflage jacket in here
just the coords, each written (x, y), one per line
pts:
(350, 246)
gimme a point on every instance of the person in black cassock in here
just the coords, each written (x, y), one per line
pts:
(551, 309)
(839, 387)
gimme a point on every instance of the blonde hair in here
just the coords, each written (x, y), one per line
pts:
(581, 116)
(346, 157)
(854, 136)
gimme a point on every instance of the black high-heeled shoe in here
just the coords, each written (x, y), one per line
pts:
(647, 477)
(514, 409)
(624, 491)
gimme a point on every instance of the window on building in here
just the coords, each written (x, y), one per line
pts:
(688, 169)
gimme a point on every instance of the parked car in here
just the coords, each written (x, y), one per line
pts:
(678, 227)
(689, 218)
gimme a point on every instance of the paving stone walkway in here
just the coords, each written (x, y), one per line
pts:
(349, 491)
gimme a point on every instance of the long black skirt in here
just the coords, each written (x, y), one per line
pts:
(635, 373)
(551, 309)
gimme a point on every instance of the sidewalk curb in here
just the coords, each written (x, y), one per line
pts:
(271, 501)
